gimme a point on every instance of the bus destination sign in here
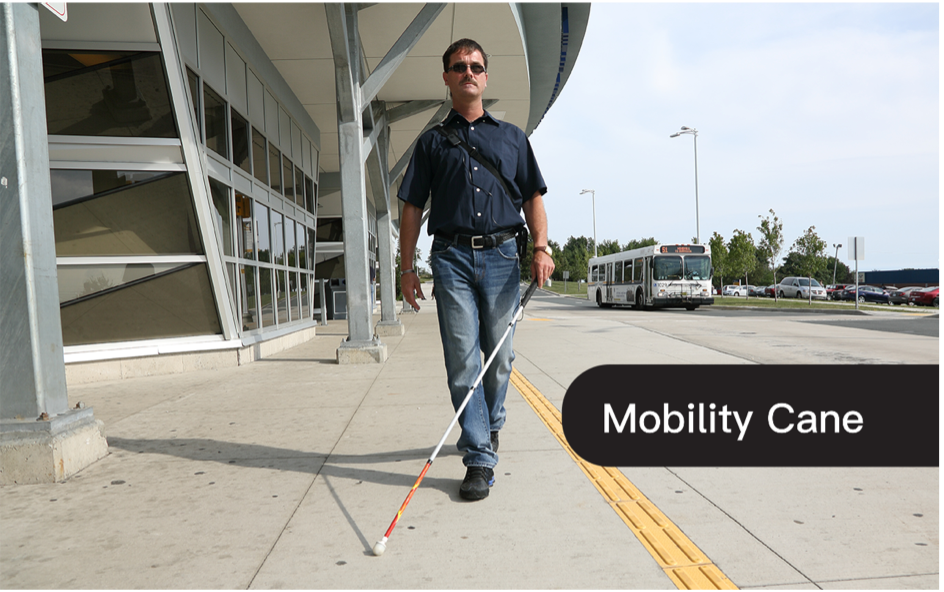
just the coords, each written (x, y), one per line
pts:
(682, 249)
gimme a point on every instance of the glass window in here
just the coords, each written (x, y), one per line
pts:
(231, 283)
(299, 188)
(261, 226)
(275, 167)
(628, 270)
(668, 268)
(105, 212)
(259, 167)
(278, 239)
(697, 268)
(302, 259)
(310, 195)
(288, 179)
(107, 93)
(240, 142)
(330, 230)
(247, 288)
(265, 297)
(194, 85)
(126, 302)
(295, 295)
(245, 245)
(290, 243)
(311, 248)
(282, 293)
(638, 269)
(214, 109)
(221, 201)
(304, 295)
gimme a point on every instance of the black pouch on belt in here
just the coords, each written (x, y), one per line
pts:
(522, 238)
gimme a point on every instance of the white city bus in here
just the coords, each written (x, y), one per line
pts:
(657, 276)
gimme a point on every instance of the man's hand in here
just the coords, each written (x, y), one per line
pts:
(410, 222)
(411, 288)
(542, 266)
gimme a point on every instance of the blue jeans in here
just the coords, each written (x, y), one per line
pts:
(477, 291)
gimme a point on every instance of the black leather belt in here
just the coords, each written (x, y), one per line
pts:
(484, 241)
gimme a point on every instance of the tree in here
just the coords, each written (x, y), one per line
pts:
(811, 254)
(608, 247)
(842, 275)
(574, 257)
(771, 242)
(741, 258)
(640, 243)
(719, 257)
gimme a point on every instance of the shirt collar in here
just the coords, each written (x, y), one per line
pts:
(454, 115)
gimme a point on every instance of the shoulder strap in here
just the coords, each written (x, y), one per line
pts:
(454, 138)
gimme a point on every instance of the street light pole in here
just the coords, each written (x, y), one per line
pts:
(836, 262)
(694, 133)
(593, 201)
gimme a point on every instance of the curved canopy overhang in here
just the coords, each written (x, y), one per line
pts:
(531, 47)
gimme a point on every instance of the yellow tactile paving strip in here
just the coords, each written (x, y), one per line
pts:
(682, 561)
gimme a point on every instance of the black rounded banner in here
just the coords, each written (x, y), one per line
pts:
(752, 416)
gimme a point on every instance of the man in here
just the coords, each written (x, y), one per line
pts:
(474, 252)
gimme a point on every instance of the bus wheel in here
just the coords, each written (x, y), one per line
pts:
(639, 304)
(690, 307)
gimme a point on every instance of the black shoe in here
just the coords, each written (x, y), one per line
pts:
(495, 441)
(476, 483)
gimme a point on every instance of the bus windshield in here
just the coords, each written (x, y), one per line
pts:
(668, 268)
(697, 268)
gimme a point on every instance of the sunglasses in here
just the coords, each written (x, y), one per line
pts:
(460, 68)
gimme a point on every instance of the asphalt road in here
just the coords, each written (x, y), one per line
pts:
(768, 336)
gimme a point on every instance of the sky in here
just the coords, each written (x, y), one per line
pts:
(826, 113)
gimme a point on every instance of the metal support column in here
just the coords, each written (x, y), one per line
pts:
(41, 439)
(377, 169)
(360, 346)
(354, 93)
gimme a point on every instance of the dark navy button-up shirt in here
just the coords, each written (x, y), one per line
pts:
(466, 198)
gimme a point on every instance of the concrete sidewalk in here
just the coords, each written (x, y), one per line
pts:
(285, 472)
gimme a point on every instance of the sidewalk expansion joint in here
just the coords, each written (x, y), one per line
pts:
(682, 561)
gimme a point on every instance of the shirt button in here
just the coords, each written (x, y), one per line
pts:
(475, 168)
(479, 214)
(472, 128)
(477, 189)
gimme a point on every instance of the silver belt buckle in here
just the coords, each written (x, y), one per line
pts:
(481, 245)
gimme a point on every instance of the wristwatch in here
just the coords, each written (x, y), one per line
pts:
(547, 249)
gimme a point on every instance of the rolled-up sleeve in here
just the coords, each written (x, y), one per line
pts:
(414, 189)
(528, 178)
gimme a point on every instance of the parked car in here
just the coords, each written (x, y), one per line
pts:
(770, 291)
(865, 294)
(800, 287)
(756, 290)
(900, 296)
(924, 296)
(734, 291)
(832, 290)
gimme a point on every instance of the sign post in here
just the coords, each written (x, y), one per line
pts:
(857, 253)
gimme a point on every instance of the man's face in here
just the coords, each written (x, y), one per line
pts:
(466, 85)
